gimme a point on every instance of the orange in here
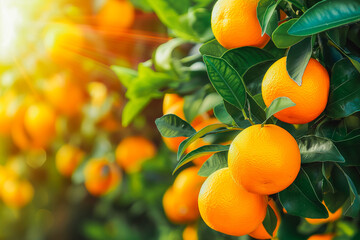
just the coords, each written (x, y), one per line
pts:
(201, 142)
(190, 233)
(260, 232)
(235, 24)
(8, 110)
(67, 159)
(39, 122)
(180, 200)
(101, 176)
(332, 217)
(133, 151)
(264, 160)
(227, 207)
(322, 237)
(116, 15)
(310, 98)
(17, 193)
(98, 93)
(169, 100)
(64, 94)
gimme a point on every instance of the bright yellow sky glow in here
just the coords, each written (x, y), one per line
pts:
(10, 23)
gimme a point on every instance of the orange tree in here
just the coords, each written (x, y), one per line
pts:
(285, 90)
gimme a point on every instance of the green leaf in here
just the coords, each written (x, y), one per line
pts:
(148, 82)
(241, 59)
(133, 108)
(209, 102)
(163, 54)
(253, 77)
(214, 163)
(192, 104)
(186, 143)
(300, 198)
(341, 192)
(212, 48)
(270, 221)
(318, 149)
(281, 37)
(222, 115)
(236, 115)
(255, 110)
(277, 105)
(267, 15)
(226, 81)
(125, 75)
(344, 98)
(171, 125)
(298, 58)
(199, 152)
(326, 15)
(352, 205)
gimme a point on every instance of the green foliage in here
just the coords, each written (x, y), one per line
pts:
(327, 31)
(270, 220)
(171, 125)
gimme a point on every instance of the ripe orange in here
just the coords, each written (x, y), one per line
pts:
(133, 151)
(101, 176)
(310, 98)
(17, 193)
(260, 232)
(180, 200)
(39, 122)
(64, 94)
(332, 217)
(322, 237)
(227, 207)
(67, 159)
(169, 100)
(235, 24)
(8, 110)
(116, 15)
(264, 160)
(190, 233)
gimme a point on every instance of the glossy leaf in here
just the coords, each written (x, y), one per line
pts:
(300, 199)
(222, 115)
(171, 125)
(298, 58)
(199, 152)
(267, 15)
(326, 15)
(277, 105)
(214, 163)
(212, 48)
(241, 59)
(236, 115)
(270, 220)
(344, 97)
(318, 149)
(186, 143)
(227, 82)
(253, 77)
(281, 37)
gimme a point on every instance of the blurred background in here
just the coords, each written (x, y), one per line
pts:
(60, 123)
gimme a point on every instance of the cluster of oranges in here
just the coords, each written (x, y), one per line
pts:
(101, 175)
(49, 106)
(263, 159)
